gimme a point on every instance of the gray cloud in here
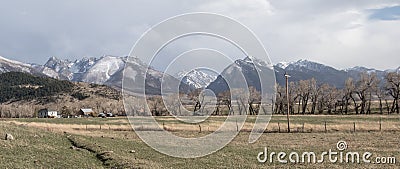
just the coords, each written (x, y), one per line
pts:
(338, 33)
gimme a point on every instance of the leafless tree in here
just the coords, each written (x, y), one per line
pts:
(363, 89)
(304, 90)
(347, 94)
(393, 87)
(156, 105)
(380, 94)
(198, 97)
(254, 101)
(293, 95)
(331, 98)
(241, 100)
(224, 98)
(315, 93)
(173, 103)
(280, 99)
(322, 99)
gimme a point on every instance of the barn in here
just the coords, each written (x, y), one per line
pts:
(46, 113)
(87, 112)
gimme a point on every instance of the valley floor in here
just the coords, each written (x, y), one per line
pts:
(108, 143)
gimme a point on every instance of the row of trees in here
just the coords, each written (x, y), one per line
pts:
(364, 95)
(361, 96)
(201, 102)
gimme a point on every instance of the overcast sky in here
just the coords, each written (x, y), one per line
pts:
(339, 33)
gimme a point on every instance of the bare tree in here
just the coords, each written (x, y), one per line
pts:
(254, 101)
(315, 93)
(322, 98)
(393, 88)
(225, 99)
(331, 98)
(293, 95)
(156, 105)
(380, 94)
(198, 97)
(305, 90)
(173, 103)
(347, 94)
(364, 88)
(280, 99)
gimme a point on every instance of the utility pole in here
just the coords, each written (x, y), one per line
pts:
(288, 104)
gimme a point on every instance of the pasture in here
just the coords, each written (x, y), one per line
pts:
(111, 142)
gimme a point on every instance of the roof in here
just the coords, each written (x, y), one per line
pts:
(48, 110)
(87, 110)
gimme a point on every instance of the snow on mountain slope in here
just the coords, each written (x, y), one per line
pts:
(197, 78)
(103, 69)
(283, 65)
(308, 65)
(83, 65)
(66, 69)
(109, 70)
(252, 69)
(14, 62)
(7, 65)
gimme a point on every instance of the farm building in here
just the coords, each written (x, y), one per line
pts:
(87, 112)
(46, 113)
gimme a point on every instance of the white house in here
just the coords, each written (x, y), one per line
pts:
(46, 113)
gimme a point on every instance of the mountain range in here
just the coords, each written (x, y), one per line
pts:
(304, 69)
(108, 70)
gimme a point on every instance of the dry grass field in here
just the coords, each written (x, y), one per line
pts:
(111, 142)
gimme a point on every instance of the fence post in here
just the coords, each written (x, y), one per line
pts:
(302, 128)
(200, 128)
(100, 126)
(325, 127)
(354, 126)
(380, 124)
(86, 126)
(237, 127)
(279, 128)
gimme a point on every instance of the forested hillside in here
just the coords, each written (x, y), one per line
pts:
(16, 86)
(23, 95)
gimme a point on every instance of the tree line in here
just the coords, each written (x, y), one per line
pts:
(364, 95)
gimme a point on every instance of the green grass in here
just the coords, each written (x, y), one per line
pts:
(39, 148)
(34, 148)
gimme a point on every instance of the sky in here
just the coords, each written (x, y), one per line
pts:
(340, 33)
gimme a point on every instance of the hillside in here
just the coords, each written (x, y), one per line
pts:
(16, 86)
(22, 95)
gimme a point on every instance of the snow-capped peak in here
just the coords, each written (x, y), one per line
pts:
(14, 62)
(8, 65)
(103, 69)
(361, 69)
(283, 65)
(197, 78)
(309, 65)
